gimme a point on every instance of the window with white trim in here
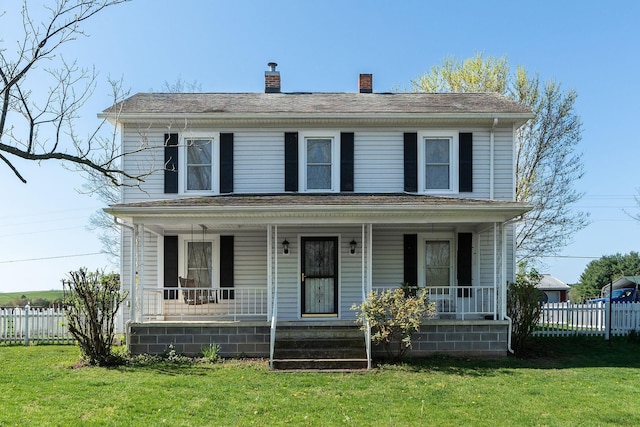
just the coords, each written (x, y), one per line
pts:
(436, 260)
(197, 260)
(437, 169)
(320, 160)
(201, 157)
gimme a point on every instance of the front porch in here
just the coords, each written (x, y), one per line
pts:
(236, 270)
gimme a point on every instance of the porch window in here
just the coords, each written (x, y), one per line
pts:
(437, 262)
(199, 259)
(199, 263)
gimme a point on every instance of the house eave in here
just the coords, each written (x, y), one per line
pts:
(319, 213)
(319, 119)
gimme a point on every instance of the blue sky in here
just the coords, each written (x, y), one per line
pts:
(590, 46)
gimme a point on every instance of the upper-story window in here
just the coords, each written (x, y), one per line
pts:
(320, 161)
(437, 170)
(199, 164)
(201, 153)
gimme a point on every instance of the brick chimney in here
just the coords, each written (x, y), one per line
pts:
(365, 84)
(272, 79)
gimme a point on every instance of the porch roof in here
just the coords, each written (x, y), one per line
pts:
(329, 208)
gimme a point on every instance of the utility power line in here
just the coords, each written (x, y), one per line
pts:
(51, 257)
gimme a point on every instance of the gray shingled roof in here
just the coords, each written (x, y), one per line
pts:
(315, 103)
(323, 199)
(551, 283)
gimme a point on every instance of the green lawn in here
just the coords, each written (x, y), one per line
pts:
(7, 298)
(570, 382)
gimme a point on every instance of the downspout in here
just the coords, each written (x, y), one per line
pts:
(491, 158)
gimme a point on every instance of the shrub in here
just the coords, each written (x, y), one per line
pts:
(91, 301)
(393, 316)
(524, 305)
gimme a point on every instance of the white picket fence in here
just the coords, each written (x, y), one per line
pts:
(34, 324)
(565, 319)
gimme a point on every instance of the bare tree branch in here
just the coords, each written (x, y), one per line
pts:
(37, 124)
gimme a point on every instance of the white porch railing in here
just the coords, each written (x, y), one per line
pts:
(218, 303)
(459, 302)
(564, 319)
(42, 325)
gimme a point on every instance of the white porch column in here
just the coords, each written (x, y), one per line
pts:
(135, 280)
(363, 273)
(503, 273)
(369, 258)
(495, 271)
(269, 272)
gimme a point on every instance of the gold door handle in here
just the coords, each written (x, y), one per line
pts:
(303, 277)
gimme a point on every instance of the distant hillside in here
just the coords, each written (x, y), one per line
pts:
(9, 298)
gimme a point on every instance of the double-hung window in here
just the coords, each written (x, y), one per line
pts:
(436, 260)
(437, 170)
(320, 161)
(201, 154)
(197, 260)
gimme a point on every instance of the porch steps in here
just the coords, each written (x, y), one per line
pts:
(319, 348)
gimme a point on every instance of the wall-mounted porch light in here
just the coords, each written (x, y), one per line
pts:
(285, 247)
(353, 245)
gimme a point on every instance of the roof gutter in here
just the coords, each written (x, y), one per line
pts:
(340, 117)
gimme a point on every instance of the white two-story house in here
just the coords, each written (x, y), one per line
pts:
(271, 212)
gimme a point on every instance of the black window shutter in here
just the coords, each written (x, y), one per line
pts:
(346, 161)
(171, 266)
(465, 167)
(170, 162)
(226, 267)
(291, 161)
(411, 259)
(226, 163)
(411, 162)
(465, 243)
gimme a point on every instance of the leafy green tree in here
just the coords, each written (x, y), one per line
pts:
(600, 272)
(548, 163)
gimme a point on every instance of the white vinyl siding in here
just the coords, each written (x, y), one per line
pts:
(143, 162)
(504, 188)
(258, 161)
(379, 162)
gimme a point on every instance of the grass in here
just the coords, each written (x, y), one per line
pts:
(7, 298)
(569, 381)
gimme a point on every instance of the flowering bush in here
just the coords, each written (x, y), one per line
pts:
(393, 316)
